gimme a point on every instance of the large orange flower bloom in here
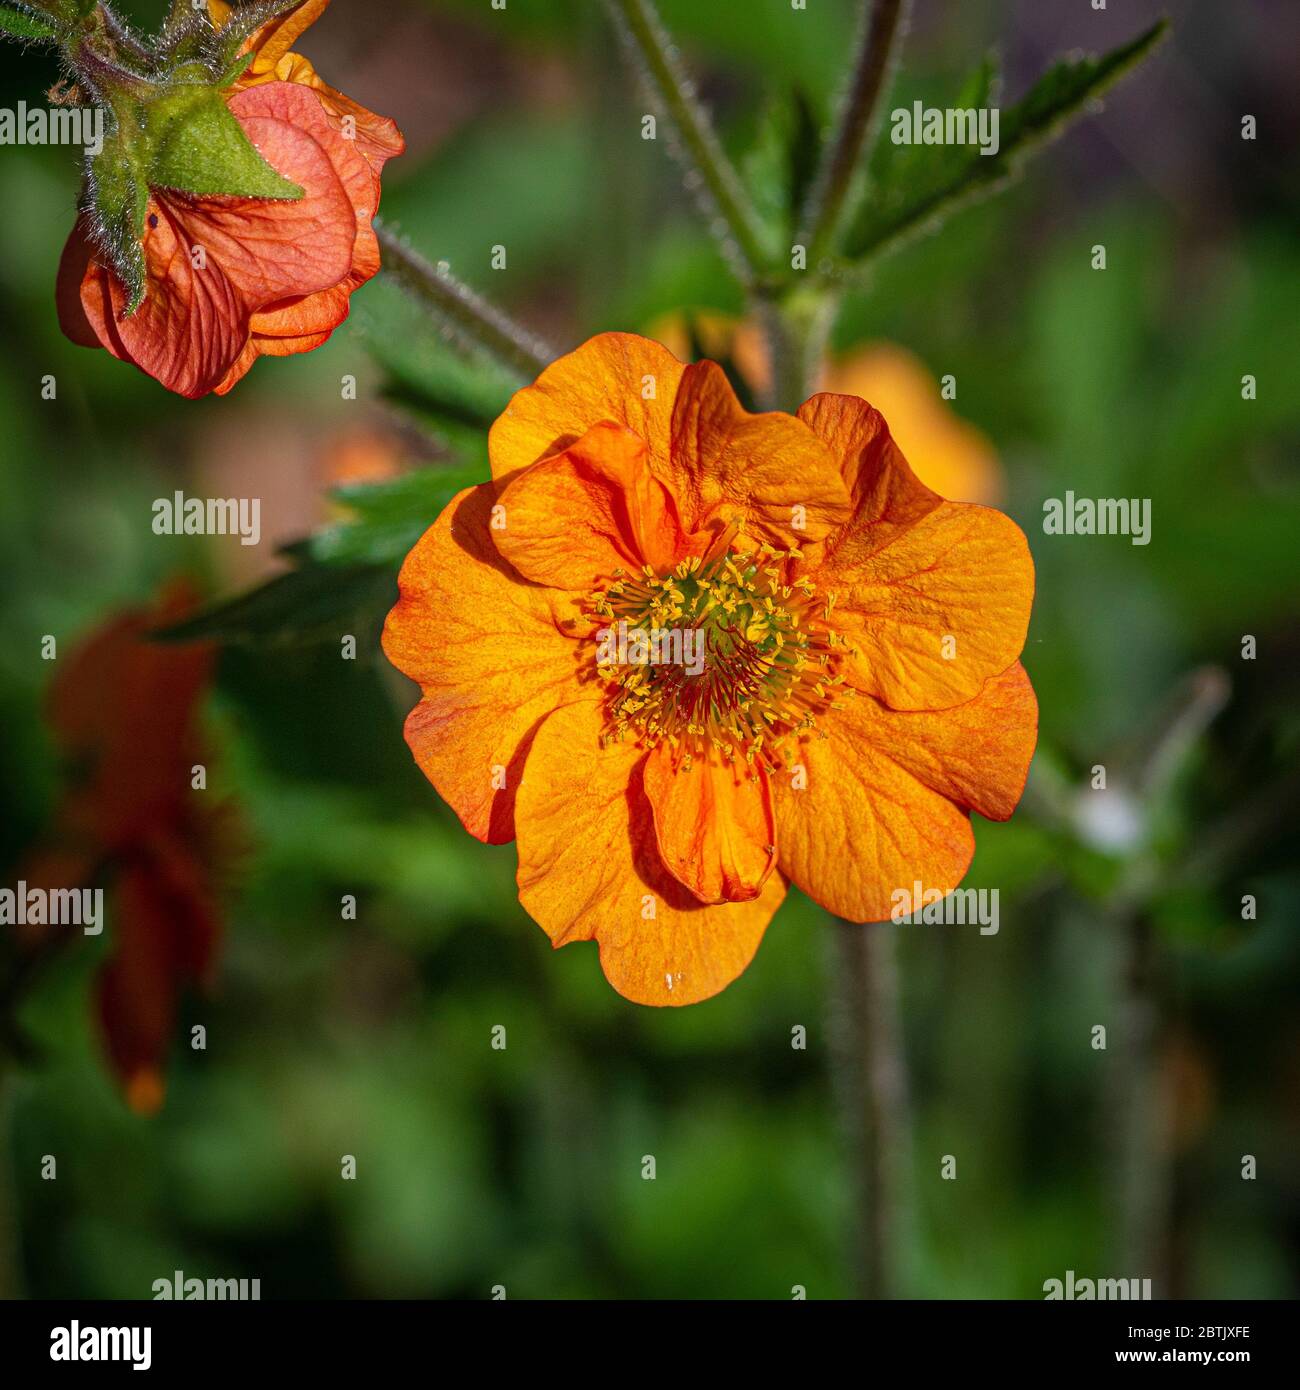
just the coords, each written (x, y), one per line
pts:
(860, 692)
(276, 276)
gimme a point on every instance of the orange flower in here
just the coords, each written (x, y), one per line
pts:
(859, 692)
(275, 276)
(946, 453)
(123, 711)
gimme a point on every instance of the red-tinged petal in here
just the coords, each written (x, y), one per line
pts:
(882, 801)
(157, 919)
(73, 266)
(714, 824)
(491, 657)
(589, 868)
(194, 322)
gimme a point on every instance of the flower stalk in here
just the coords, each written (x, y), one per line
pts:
(473, 321)
(699, 150)
(828, 203)
(871, 1083)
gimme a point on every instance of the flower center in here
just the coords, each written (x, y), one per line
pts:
(719, 656)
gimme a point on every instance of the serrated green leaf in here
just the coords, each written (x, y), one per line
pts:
(23, 23)
(199, 147)
(916, 186)
(390, 516)
(318, 603)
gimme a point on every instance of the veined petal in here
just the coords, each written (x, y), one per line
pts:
(492, 656)
(575, 517)
(886, 795)
(714, 824)
(613, 376)
(194, 322)
(589, 868)
(771, 469)
(933, 596)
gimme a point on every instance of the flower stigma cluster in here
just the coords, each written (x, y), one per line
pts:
(769, 654)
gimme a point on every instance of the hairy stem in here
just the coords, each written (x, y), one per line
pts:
(707, 166)
(475, 323)
(871, 1076)
(827, 206)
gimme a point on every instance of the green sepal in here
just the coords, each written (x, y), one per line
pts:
(199, 147)
(119, 200)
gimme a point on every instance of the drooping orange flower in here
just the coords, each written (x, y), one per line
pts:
(123, 710)
(230, 279)
(859, 693)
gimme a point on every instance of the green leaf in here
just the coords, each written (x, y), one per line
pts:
(451, 398)
(918, 186)
(318, 603)
(23, 23)
(390, 516)
(199, 147)
(783, 158)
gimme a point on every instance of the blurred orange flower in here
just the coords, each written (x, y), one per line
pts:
(856, 694)
(123, 710)
(946, 453)
(276, 275)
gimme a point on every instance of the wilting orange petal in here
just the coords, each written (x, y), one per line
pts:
(163, 923)
(589, 868)
(714, 824)
(882, 801)
(613, 376)
(770, 468)
(575, 517)
(934, 596)
(491, 659)
(278, 35)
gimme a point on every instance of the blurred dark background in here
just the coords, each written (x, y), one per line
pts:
(522, 1167)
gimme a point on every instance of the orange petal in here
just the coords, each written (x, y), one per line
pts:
(73, 267)
(573, 518)
(771, 469)
(491, 659)
(613, 376)
(159, 923)
(714, 824)
(933, 595)
(887, 795)
(277, 36)
(589, 868)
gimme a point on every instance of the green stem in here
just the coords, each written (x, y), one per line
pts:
(475, 322)
(826, 209)
(700, 149)
(871, 1076)
(796, 327)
